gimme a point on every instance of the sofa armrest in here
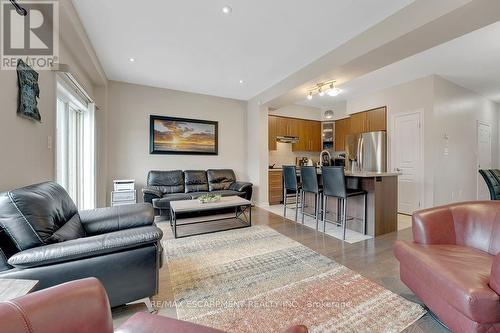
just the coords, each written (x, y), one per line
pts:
(243, 187)
(495, 274)
(77, 306)
(152, 191)
(434, 226)
(86, 247)
(104, 220)
(240, 186)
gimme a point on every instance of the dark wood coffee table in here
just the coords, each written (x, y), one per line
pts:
(241, 208)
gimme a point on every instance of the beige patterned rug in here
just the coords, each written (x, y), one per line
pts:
(257, 280)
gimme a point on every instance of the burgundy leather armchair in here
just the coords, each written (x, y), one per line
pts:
(453, 264)
(82, 306)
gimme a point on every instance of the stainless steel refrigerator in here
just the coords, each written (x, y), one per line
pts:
(366, 152)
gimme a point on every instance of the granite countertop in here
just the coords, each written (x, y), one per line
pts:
(363, 174)
(369, 174)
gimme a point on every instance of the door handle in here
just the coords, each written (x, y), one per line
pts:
(398, 169)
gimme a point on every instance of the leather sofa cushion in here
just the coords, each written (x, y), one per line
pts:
(457, 274)
(167, 181)
(164, 203)
(220, 179)
(224, 193)
(72, 229)
(86, 247)
(195, 181)
(31, 214)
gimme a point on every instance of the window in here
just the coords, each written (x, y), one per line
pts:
(75, 156)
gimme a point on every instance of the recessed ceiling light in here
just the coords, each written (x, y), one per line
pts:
(132, 59)
(241, 81)
(227, 9)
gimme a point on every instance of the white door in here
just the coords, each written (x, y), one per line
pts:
(407, 155)
(483, 158)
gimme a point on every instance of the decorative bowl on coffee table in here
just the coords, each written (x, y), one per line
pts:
(208, 198)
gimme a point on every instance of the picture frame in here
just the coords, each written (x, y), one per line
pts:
(183, 136)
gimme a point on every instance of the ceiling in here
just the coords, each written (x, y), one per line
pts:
(191, 45)
(471, 61)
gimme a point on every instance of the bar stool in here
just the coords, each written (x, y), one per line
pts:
(334, 185)
(309, 179)
(291, 188)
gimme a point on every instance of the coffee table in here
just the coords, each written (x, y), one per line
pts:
(14, 288)
(241, 207)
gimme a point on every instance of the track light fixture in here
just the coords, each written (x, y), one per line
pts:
(322, 88)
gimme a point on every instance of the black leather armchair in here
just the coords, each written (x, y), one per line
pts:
(44, 237)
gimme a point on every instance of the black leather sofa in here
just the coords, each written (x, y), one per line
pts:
(44, 237)
(165, 186)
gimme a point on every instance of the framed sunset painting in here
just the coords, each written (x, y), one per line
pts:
(169, 135)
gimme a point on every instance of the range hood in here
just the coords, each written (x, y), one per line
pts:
(287, 139)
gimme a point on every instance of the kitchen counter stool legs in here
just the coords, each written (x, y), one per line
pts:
(334, 185)
(291, 188)
(310, 184)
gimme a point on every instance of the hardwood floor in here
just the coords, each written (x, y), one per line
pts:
(372, 258)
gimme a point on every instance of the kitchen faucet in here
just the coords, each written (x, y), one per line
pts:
(322, 161)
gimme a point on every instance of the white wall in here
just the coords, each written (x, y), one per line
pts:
(26, 158)
(408, 97)
(24, 148)
(298, 111)
(129, 109)
(257, 150)
(448, 109)
(456, 113)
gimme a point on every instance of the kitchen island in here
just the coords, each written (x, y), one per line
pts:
(382, 202)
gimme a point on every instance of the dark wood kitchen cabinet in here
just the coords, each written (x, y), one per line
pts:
(376, 120)
(272, 133)
(308, 132)
(358, 123)
(287, 126)
(342, 128)
(275, 182)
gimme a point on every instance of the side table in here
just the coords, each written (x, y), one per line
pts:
(14, 288)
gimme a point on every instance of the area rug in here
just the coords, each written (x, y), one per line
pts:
(257, 280)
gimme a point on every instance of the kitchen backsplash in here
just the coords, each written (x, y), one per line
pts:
(284, 155)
